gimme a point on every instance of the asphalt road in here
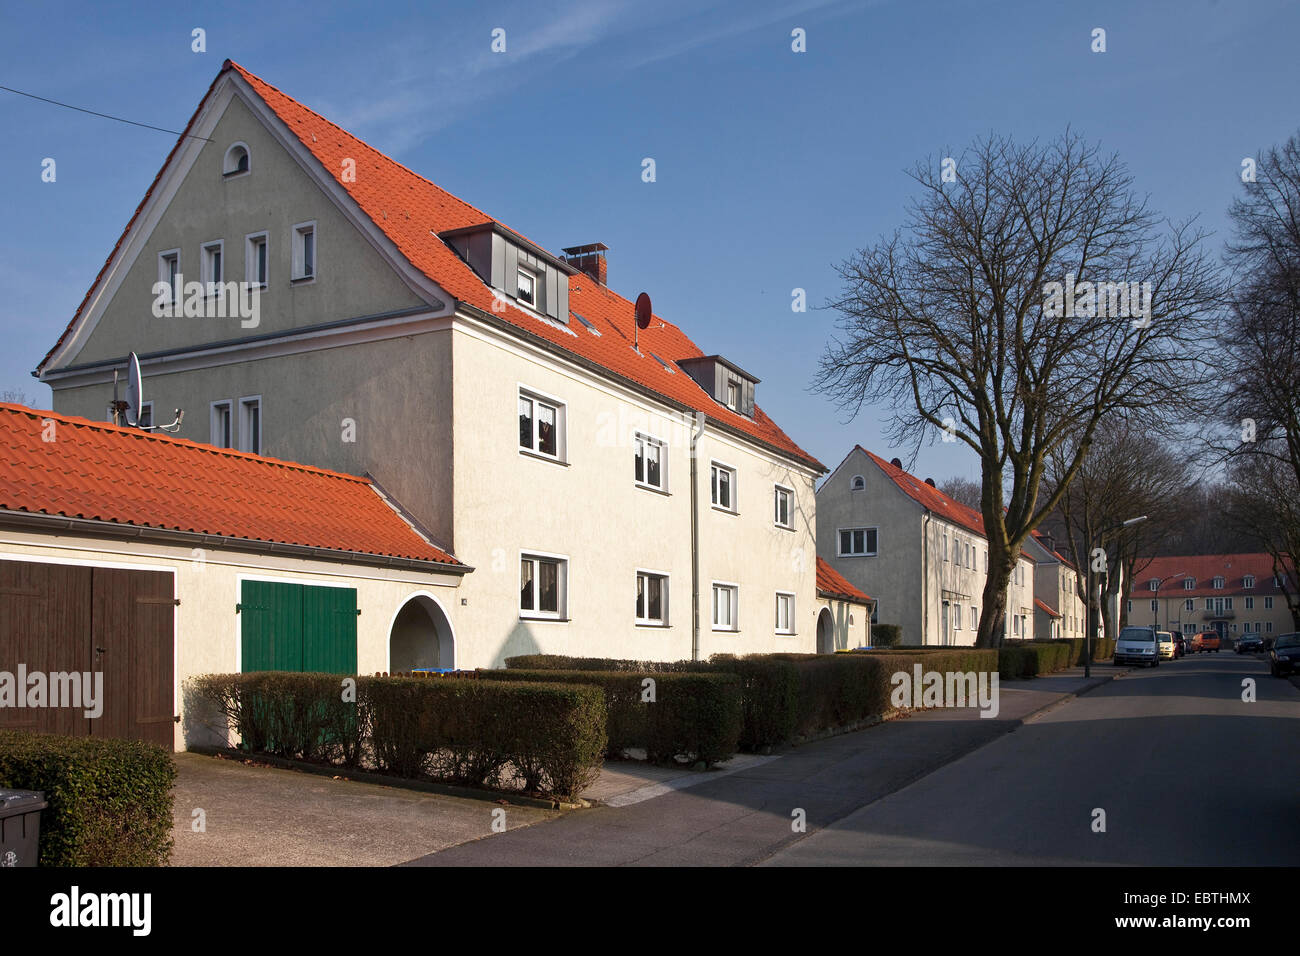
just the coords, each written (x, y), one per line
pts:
(1185, 771)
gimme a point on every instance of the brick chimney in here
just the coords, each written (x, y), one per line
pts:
(589, 259)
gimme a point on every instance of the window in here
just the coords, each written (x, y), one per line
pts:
(1015, 624)
(221, 425)
(256, 263)
(169, 269)
(945, 545)
(1248, 582)
(725, 601)
(250, 425)
(723, 484)
(1218, 583)
(304, 251)
(1129, 606)
(986, 560)
(1189, 583)
(784, 613)
(648, 466)
(1155, 606)
(1227, 604)
(651, 598)
(784, 504)
(968, 550)
(526, 288)
(855, 542)
(1250, 604)
(1277, 580)
(1268, 627)
(733, 394)
(236, 161)
(541, 425)
(858, 483)
(542, 585)
(1268, 604)
(956, 619)
(974, 618)
(211, 268)
(1188, 605)
(1154, 584)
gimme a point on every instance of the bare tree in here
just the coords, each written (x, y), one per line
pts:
(962, 490)
(982, 322)
(1260, 342)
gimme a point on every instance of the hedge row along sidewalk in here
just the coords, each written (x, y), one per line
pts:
(110, 801)
(540, 737)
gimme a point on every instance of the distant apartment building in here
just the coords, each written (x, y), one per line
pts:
(921, 555)
(1059, 611)
(1227, 593)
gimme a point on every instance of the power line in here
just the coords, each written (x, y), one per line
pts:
(118, 119)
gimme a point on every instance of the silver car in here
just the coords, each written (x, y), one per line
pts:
(1137, 645)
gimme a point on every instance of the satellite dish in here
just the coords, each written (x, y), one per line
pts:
(643, 311)
(134, 391)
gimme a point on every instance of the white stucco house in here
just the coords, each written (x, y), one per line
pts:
(921, 555)
(618, 490)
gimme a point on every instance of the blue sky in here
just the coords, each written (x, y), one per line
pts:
(772, 165)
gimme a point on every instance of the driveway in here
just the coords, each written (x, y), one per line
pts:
(262, 816)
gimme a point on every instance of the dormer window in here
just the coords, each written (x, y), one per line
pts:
(1189, 583)
(728, 385)
(236, 161)
(1248, 581)
(1218, 583)
(527, 288)
(733, 394)
(1154, 584)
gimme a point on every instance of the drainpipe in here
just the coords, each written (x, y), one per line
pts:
(925, 578)
(696, 431)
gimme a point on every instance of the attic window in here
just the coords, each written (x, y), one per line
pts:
(858, 483)
(236, 161)
(527, 293)
(733, 394)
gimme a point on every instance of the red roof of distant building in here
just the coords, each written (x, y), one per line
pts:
(76, 468)
(1202, 569)
(412, 212)
(1042, 606)
(832, 584)
(1042, 541)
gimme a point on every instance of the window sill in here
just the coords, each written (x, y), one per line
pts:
(302, 280)
(542, 617)
(540, 457)
(786, 634)
(726, 630)
(235, 174)
(659, 491)
(871, 555)
(783, 527)
(727, 511)
(654, 626)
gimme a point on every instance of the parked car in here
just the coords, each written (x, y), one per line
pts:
(1205, 641)
(1249, 644)
(1180, 645)
(1167, 649)
(1137, 645)
(1284, 658)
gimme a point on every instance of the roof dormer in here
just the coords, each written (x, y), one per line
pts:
(524, 273)
(728, 384)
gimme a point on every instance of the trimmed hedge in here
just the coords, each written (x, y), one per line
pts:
(696, 715)
(549, 736)
(886, 635)
(110, 801)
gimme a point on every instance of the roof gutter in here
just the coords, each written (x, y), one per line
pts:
(110, 529)
(545, 344)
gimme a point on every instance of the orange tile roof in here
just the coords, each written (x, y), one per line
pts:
(1042, 606)
(411, 211)
(1203, 569)
(102, 472)
(832, 584)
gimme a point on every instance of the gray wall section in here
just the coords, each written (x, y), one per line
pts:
(352, 278)
(397, 391)
(893, 575)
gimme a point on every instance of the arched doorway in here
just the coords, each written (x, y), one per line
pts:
(825, 632)
(421, 636)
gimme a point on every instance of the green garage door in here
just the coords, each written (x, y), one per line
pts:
(298, 627)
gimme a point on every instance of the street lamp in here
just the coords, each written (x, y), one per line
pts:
(1092, 625)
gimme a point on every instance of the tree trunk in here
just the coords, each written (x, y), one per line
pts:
(992, 628)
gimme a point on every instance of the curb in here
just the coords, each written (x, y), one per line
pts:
(1095, 682)
(364, 776)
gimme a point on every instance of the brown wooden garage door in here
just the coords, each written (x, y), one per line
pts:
(63, 618)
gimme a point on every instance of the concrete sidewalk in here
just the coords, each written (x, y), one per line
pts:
(743, 817)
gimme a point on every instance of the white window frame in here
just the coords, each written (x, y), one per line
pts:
(1218, 583)
(229, 406)
(1189, 584)
(663, 576)
(945, 545)
(733, 485)
(1268, 605)
(561, 612)
(1250, 604)
(205, 265)
(526, 393)
(733, 590)
(956, 611)
(789, 629)
(864, 553)
(227, 171)
(250, 259)
(533, 277)
(640, 438)
(857, 483)
(1154, 584)
(1248, 582)
(1189, 604)
(164, 273)
(974, 617)
(246, 426)
(733, 388)
(777, 491)
(298, 275)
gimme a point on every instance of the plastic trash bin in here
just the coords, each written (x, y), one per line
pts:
(20, 826)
